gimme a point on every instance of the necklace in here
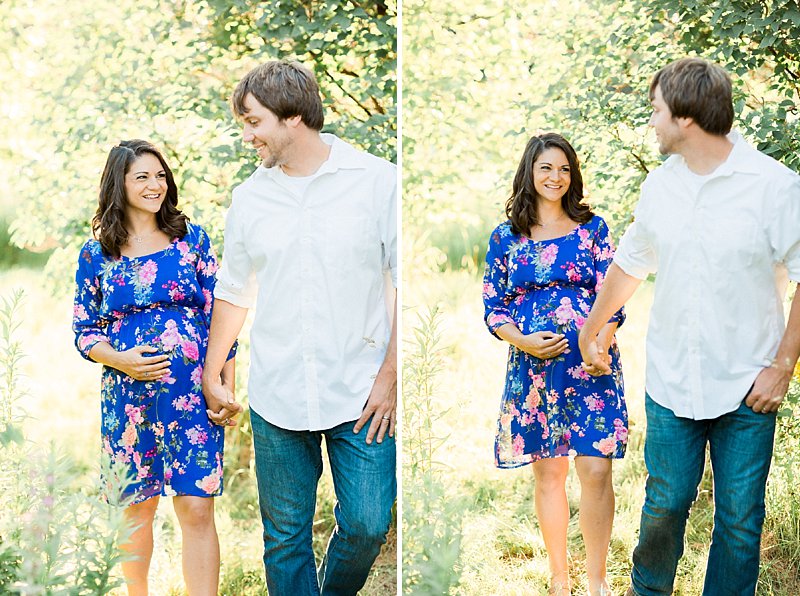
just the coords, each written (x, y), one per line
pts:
(550, 223)
(140, 239)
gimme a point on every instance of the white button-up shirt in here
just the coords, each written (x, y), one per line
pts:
(721, 246)
(313, 264)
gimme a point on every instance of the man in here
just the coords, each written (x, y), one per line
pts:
(308, 239)
(720, 223)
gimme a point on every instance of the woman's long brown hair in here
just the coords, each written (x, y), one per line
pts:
(521, 208)
(109, 222)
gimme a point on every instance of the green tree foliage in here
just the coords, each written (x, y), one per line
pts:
(481, 77)
(76, 81)
(601, 93)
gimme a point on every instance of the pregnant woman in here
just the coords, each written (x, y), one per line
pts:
(142, 309)
(544, 267)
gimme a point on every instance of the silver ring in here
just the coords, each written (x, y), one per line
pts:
(385, 418)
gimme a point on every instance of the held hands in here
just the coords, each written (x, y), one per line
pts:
(543, 344)
(381, 406)
(769, 389)
(136, 364)
(596, 359)
(222, 407)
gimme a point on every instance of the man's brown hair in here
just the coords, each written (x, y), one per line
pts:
(697, 89)
(285, 88)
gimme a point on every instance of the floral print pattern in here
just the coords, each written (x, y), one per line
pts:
(551, 407)
(160, 428)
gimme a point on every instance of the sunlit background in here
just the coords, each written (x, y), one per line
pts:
(479, 78)
(75, 79)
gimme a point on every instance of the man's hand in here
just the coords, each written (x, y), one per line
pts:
(381, 406)
(769, 389)
(596, 360)
(222, 407)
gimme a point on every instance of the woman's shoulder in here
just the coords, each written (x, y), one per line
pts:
(502, 233)
(91, 250)
(195, 234)
(596, 224)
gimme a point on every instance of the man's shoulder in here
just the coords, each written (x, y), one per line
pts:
(352, 155)
(256, 182)
(771, 167)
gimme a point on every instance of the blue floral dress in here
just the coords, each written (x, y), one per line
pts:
(551, 407)
(159, 428)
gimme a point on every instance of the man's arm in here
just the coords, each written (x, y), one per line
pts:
(617, 289)
(382, 402)
(226, 322)
(772, 382)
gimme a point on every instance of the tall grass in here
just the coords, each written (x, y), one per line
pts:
(54, 537)
(431, 513)
(62, 408)
(500, 550)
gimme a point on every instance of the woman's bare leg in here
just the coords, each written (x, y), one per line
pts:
(552, 510)
(140, 546)
(596, 517)
(200, 544)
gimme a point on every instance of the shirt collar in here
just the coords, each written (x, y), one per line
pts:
(343, 156)
(740, 159)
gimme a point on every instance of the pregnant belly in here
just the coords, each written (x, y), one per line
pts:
(176, 332)
(555, 309)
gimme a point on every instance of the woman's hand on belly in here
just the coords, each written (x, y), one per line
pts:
(543, 344)
(133, 362)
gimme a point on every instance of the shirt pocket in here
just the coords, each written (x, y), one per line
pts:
(347, 242)
(732, 241)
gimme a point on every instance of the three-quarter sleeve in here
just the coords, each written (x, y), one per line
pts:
(87, 324)
(783, 227)
(495, 285)
(206, 267)
(236, 279)
(603, 255)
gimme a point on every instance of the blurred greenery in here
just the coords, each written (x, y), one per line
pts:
(480, 77)
(74, 81)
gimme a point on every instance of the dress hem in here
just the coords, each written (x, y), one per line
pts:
(511, 466)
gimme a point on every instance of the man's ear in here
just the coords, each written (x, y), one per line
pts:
(294, 121)
(685, 122)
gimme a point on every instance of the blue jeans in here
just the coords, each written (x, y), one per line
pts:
(288, 466)
(740, 445)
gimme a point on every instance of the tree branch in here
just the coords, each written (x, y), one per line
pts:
(347, 93)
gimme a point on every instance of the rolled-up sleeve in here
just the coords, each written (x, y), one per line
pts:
(635, 254)
(236, 279)
(388, 225)
(602, 255)
(784, 227)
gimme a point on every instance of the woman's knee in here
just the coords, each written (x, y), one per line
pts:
(594, 473)
(144, 512)
(551, 474)
(197, 512)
